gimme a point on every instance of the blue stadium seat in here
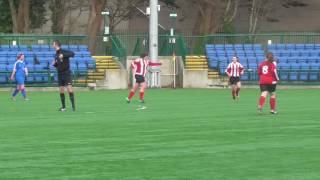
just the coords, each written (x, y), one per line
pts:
(284, 66)
(294, 66)
(309, 46)
(73, 47)
(253, 66)
(45, 47)
(294, 53)
(271, 47)
(314, 53)
(314, 71)
(292, 59)
(209, 46)
(12, 53)
(218, 47)
(290, 46)
(299, 46)
(238, 46)
(257, 46)
(3, 79)
(83, 47)
(293, 75)
(317, 46)
(35, 48)
(23, 48)
(281, 46)
(228, 46)
(247, 47)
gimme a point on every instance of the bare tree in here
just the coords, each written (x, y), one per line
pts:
(258, 10)
(58, 16)
(213, 14)
(95, 21)
(207, 21)
(20, 17)
(230, 11)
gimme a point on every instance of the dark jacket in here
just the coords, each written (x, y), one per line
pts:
(63, 65)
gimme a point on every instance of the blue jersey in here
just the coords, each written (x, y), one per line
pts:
(20, 68)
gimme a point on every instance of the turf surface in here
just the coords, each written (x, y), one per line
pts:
(183, 134)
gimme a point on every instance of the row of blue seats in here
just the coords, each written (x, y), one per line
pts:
(41, 67)
(46, 47)
(281, 66)
(41, 53)
(234, 46)
(35, 78)
(31, 60)
(296, 53)
(286, 76)
(296, 75)
(272, 47)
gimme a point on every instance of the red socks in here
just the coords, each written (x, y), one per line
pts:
(141, 95)
(261, 101)
(131, 94)
(272, 103)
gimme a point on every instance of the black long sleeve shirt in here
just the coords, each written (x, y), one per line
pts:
(63, 65)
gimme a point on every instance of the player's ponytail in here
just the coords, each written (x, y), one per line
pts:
(270, 57)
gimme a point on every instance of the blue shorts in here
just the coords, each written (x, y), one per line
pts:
(20, 80)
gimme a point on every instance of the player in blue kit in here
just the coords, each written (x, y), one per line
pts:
(19, 73)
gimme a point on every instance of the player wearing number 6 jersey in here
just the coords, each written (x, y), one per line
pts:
(268, 82)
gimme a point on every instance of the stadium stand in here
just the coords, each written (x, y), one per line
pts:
(296, 62)
(38, 59)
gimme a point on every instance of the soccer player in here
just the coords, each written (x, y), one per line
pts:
(234, 71)
(19, 72)
(267, 72)
(140, 66)
(62, 64)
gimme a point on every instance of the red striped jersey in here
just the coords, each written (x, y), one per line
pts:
(140, 65)
(234, 69)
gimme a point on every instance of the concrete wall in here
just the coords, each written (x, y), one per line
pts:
(115, 79)
(195, 78)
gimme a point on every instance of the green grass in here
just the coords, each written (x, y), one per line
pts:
(183, 134)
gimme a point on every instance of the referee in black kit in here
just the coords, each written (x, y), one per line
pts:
(61, 62)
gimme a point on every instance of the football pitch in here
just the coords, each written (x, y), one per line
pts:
(183, 134)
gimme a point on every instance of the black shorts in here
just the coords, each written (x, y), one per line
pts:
(64, 79)
(139, 79)
(234, 80)
(268, 87)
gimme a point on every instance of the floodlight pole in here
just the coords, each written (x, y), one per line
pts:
(153, 31)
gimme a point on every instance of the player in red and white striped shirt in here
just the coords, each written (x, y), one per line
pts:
(234, 71)
(140, 68)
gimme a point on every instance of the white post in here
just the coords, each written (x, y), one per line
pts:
(153, 40)
(153, 30)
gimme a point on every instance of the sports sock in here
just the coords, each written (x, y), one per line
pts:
(141, 95)
(71, 96)
(24, 93)
(15, 92)
(63, 101)
(131, 94)
(272, 103)
(261, 101)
